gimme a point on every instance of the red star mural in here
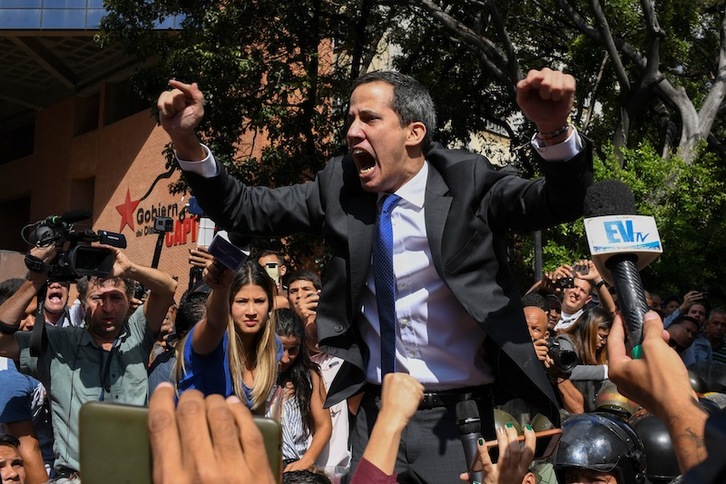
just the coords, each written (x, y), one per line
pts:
(126, 210)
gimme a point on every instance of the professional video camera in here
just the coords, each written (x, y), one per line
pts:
(76, 257)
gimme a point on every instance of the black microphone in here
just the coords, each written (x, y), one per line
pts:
(69, 217)
(469, 424)
(621, 244)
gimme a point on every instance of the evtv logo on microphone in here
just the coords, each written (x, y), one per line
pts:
(620, 231)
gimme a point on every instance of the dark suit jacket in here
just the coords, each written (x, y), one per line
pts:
(470, 206)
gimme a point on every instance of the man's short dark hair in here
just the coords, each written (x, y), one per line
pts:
(668, 299)
(304, 477)
(686, 319)
(305, 275)
(9, 441)
(84, 282)
(411, 100)
(535, 300)
(9, 287)
(266, 252)
(553, 302)
(192, 309)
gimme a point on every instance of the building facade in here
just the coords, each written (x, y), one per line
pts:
(73, 136)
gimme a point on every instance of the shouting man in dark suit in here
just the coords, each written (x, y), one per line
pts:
(458, 325)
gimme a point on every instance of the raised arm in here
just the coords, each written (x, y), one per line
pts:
(210, 331)
(598, 285)
(161, 287)
(12, 310)
(659, 382)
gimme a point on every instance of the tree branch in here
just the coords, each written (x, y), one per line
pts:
(715, 97)
(494, 60)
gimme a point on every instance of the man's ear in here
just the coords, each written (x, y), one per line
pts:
(416, 133)
(529, 478)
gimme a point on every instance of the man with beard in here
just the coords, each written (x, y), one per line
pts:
(105, 360)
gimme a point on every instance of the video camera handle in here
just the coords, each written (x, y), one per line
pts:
(39, 337)
(157, 250)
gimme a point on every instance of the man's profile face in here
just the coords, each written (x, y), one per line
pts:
(377, 141)
(536, 322)
(576, 297)
(56, 298)
(716, 327)
(28, 320)
(107, 306)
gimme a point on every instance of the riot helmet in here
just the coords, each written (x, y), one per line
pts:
(662, 464)
(610, 400)
(603, 443)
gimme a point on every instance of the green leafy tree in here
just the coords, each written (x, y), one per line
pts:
(689, 216)
(271, 72)
(651, 86)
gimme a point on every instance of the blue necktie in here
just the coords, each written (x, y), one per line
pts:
(385, 284)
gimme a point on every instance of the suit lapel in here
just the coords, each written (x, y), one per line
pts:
(437, 205)
(361, 225)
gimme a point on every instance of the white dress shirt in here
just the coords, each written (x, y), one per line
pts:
(437, 342)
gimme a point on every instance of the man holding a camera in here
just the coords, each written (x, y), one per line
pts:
(104, 360)
(576, 283)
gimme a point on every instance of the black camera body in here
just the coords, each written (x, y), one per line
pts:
(163, 224)
(565, 283)
(565, 360)
(76, 257)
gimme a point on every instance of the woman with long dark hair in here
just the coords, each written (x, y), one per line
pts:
(299, 398)
(587, 337)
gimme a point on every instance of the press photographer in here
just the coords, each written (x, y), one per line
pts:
(558, 362)
(104, 360)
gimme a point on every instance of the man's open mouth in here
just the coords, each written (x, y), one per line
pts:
(364, 160)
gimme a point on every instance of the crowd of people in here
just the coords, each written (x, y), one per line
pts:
(367, 370)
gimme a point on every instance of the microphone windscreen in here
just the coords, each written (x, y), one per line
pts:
(609, 197)
(72, 216)
(467, 417)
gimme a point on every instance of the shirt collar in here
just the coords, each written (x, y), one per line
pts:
(414, 190)
(87, 339)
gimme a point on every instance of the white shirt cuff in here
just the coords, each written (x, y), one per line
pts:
(564, 151)
(206, 168)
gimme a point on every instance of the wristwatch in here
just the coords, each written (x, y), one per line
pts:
(600, 283)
